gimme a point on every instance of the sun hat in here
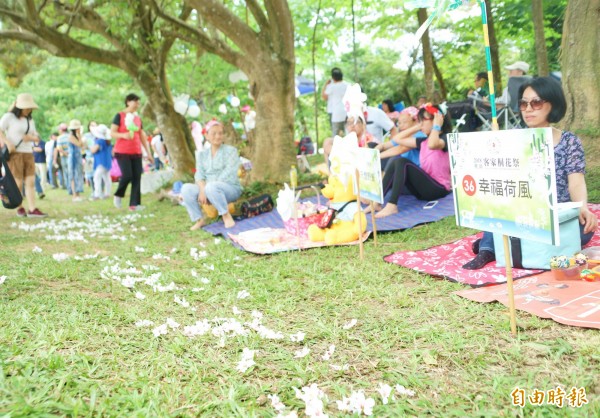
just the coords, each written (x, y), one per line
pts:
(519, 65)
(25, 101)
(210, 124)
(100, 131)
(74, 124)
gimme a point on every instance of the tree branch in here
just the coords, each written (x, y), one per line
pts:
(258, 14)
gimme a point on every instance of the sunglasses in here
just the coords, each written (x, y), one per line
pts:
(536, 104)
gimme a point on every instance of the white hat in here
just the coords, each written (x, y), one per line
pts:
(100, 131)
(25, 101)
(519, 65)
(74, 124)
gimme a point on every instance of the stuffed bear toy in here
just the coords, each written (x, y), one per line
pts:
(345, 226)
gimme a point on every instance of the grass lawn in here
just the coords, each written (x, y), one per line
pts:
(73, 341)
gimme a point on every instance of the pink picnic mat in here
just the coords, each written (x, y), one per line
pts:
(446, 261)
(570, 302)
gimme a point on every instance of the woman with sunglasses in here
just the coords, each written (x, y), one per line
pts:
(541, 103)
(431, 180)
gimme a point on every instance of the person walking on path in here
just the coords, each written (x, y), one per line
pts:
(128, 132)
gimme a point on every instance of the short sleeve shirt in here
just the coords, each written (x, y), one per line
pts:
(335, 93)
(14, 129)
(377, 123)
(568, 159)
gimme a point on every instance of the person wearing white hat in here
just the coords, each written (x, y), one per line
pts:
(518, 69)
(102, 150)
(74, 160)
(18, 133)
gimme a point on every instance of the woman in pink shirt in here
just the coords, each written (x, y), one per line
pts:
(431, 180)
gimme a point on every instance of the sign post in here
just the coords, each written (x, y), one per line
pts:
(368, 166)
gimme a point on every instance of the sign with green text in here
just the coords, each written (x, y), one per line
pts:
(505, 182)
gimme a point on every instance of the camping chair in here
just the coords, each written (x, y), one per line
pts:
(483, 111)
(514, 118)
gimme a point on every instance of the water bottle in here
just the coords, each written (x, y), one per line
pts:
(293, 177)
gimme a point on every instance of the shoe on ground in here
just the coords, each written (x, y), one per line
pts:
(42, 195)
(36, 213)
(117, 202)
(136, 208)
(21, 213)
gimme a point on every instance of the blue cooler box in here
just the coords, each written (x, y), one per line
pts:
(536, 255)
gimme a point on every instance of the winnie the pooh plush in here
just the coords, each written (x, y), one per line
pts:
(345, 227)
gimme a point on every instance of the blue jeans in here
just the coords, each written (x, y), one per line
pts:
(218, 194)
(66, 181)
(75, 169)
(38, 185)
(487, 241)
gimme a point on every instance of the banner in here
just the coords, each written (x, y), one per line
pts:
(505, 182)
(368, 164)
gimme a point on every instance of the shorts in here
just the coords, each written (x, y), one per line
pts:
(22, 165)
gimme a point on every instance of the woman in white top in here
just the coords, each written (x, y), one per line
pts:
(17, 131)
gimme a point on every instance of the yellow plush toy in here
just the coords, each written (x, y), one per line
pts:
(345, 226)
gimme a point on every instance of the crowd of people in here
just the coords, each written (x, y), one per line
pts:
(72, 159)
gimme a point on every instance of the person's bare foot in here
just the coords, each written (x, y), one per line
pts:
(389, 209)
(376, 207)
(228, 220)
(197, 225)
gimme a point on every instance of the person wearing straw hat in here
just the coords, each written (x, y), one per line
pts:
(102, 150)
(18, 133)
(74, 161)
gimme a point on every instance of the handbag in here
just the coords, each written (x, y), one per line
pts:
(5, 153)
(256, 206)
(10, 194)
(329, 216)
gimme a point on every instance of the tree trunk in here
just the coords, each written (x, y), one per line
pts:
(580, 71)
(273, 149)
(440, 79)
(427, 56)
(537, 11)
(494, 50)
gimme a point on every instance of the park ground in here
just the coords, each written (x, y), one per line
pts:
(71, 343)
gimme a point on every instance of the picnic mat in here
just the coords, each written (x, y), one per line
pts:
(446, 261)
(570, 302)
(411, 213)
(276, 240)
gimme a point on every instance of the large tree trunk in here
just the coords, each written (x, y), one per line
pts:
(427, 55)
(537, 11)
(494, 49)
(580, 71)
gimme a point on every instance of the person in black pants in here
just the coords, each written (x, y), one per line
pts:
(129, 134)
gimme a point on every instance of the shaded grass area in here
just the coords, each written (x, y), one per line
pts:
(69, 344)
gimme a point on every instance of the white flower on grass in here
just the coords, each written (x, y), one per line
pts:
(339, 368)
(357, 403)
(209, 266)
(167, 288)
(150, 268)
(236, 310)
(144, 323)
(243, 294)
(37, 249)
(159, 256)
(217, 241)
(128, 282)
(247, 360)
(160, 330)
(196, 255)
(194, 273)
(139, 249)
(140, 295)
(328, 353)
(276, 403)
(172, 323)
(385, 391)
(302, 353)
(197, 289)
(173, 250)
(401, 390)
(2, 279)
(292, 414)
(181, 301)
(205, 280)
(199, 328)
(314, 400)
(60, 256)
(299, 336)
(350, 324)
(228, 326)
(257, 314)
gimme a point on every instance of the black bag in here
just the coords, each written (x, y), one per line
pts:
(5, 153)
(330, 215)
(9, 191)
(256, 206)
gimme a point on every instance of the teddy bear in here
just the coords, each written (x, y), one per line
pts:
(345, 227)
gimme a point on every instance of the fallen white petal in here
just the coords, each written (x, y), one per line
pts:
(302, 353)
(140, 295)
(350, 324)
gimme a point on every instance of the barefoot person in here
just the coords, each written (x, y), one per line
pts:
(431, 180)
(542, 103)
(216, 178)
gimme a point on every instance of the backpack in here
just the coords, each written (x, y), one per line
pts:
(256, 206)
(9, 191)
